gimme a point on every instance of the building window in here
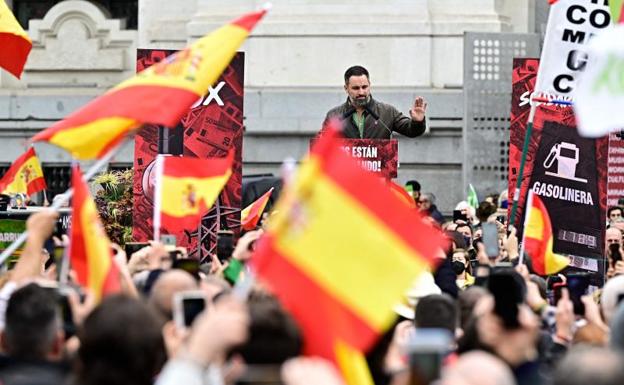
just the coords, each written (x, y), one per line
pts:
(26, 10)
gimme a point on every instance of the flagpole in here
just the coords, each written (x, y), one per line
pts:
(64, 198)
(525, 150)
(526, 220)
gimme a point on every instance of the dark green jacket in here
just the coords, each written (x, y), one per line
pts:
(390, 116)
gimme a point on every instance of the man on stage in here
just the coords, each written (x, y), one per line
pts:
(366, 118)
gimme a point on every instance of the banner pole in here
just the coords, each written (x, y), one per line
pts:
(525, 150)
(64, 198)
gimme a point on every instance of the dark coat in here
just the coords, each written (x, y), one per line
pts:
(389, 116)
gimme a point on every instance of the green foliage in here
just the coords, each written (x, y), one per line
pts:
(114, 203)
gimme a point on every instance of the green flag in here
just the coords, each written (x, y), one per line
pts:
(472, 199)
(616, 11)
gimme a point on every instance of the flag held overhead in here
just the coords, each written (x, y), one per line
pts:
(14, 42)
(162, 94)
(25, 175)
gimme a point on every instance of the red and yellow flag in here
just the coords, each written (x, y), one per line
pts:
(25, 175)
(402, 193)
(252, 213)
(538, 239)
(90, 250)
(15, 45)
(341, 251)
(186, 189)
(162, 94)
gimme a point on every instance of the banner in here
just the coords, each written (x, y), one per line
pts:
(374, 155)
(615, 167)
(213, 125)
(567, 171)
(571, 24)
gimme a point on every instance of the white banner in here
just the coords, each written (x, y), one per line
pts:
(600, 96)
(571, 24)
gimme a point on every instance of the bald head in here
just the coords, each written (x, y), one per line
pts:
(478, 368)
(590, 365)
(166, 286)
(612, 235)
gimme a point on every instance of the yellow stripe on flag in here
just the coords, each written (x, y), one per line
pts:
(97, 247)
(535, 226)
(88, 141)
(357, 258)
(181, 196)
(353, 365)
(211, 53)
(20, 184)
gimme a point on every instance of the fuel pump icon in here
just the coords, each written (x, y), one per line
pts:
(567, 157)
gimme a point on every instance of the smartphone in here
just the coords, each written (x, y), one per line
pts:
(168, 239)
(187, 305)
(578, 283)
(507, 287)
(426, 349)
(490, 239)
(614, 248)
(225, 244)
(69, 327)
(556, 289)
(459, 216)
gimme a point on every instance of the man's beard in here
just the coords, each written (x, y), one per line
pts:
(360, 102)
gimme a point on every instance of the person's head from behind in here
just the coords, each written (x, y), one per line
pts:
(357, 85)
(414, 188)
(477, 368)
(33, 328)
(590, 365)
(166, 286)
(274, 336)
(611, 298)
(436, 311)
(614, 213)
(120, 343)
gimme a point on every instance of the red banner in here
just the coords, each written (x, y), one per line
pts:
(374, 155)
(567, 171)
(213, 125)
(615, 186)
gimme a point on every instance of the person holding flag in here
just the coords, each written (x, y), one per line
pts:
(25, 175)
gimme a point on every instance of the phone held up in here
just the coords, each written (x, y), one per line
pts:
(187, 305)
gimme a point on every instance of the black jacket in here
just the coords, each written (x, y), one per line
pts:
(392, 118)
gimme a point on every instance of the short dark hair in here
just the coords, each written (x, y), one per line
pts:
(612, 209)
(355, 71)
(274, 337)
(32, 322)
(120, 343)
(436, 311)
(414, 184)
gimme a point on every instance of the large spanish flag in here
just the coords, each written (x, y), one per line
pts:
(538, 239)
(251, 214)
(162, 94)
(25, 175)
(186, 189)
(15, 45)
(90, 250)
(340, 252)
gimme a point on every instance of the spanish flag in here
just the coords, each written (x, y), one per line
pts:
(162, 94)
(15, 45)
(538, 239)
(252, 213)
(25, 175)
(340, 252)
(186, 189)
(90, 250)
(402, 193)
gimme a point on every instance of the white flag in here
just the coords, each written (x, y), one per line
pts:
(599, 105)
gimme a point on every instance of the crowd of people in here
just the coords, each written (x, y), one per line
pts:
(472, 319)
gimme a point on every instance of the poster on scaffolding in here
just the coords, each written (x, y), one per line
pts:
(213, 125)
(567, 171)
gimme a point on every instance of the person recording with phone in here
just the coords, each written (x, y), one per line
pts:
(614, 252)
(364, 117)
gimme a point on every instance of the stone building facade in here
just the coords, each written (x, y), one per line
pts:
(293, 71)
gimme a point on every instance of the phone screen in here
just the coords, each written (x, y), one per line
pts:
(457, 215)
(490, 239)
(225, 244)
(614, 248)
(578, 284)
(191, 308)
